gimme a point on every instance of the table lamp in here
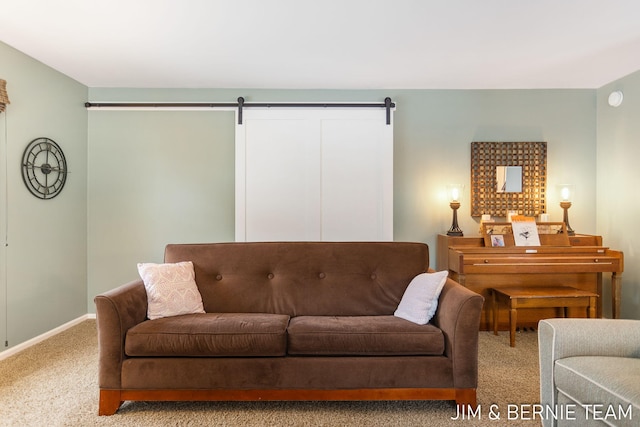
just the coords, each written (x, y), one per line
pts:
(566, 193)
(454, 191)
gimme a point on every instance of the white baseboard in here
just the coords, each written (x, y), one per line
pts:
(24, 345)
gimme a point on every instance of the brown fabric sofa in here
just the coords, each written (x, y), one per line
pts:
(291, 321)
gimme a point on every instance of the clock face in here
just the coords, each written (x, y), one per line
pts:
(44, 168)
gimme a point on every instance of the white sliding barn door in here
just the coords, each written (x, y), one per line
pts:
(282, 196)
(314, 174)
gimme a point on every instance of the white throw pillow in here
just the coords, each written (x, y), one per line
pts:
(420, 299)
(171, 289)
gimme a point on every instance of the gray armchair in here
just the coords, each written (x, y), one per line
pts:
(589, 372)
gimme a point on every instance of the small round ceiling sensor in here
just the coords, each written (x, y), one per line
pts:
(615, 98)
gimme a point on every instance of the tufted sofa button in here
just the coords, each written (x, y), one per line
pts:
(373, 276)
(219, 277)
(270, 276)
(322, 275)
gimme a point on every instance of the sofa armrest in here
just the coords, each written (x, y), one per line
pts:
(458, 316)
(560, 338)
(116, 312)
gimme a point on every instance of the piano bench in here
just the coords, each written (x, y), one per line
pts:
(515, 297)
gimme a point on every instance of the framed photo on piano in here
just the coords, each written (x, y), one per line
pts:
(497, 240)
(500, 234)
(525, 231)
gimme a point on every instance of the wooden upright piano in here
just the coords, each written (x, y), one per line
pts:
(579, 264)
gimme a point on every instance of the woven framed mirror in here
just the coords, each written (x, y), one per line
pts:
(508, 176)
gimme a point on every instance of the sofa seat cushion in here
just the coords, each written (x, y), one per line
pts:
(602, 380)
(209, 334)
(362, 335)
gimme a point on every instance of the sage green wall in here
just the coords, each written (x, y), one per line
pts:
(155, 178)
(128, 200)
(46, 277)
(618, 151)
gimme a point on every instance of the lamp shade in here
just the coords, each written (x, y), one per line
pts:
(566, 192)
(454, 192)
(4, 98)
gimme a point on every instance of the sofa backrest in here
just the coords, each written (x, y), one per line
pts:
(303, 278)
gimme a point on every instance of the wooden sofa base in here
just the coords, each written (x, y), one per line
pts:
(110, 400)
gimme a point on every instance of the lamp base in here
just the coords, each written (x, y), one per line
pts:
(454, 230)
(565, 218)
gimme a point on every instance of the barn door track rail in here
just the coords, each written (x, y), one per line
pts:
(241, 104)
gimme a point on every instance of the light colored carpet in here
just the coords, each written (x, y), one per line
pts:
(55, 383)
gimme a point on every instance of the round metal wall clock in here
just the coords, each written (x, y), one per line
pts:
(44, 168)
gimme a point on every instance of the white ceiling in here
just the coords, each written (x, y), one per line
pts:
(329, 44)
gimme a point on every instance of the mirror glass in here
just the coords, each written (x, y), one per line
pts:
(509, 179)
